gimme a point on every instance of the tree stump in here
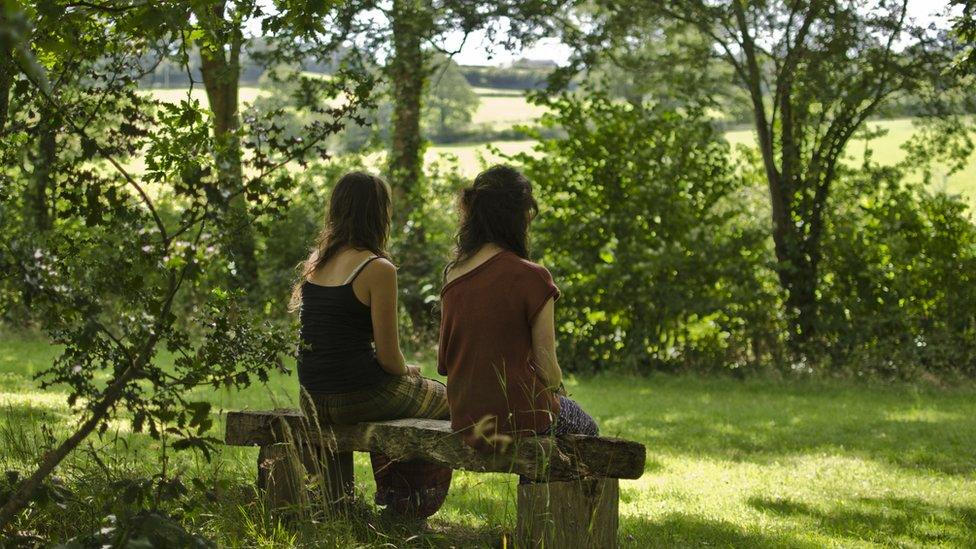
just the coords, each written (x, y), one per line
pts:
(287, 471)
(573, 514)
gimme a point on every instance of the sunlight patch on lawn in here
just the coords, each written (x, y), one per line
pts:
(925, 415)
(811, 498)
(53, 401)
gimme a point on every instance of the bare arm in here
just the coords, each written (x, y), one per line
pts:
(544, 346)
(382, 284)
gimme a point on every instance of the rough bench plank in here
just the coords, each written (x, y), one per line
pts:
(571, 503)
(538, 458)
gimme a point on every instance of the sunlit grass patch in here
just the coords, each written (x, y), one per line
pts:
(740, 463)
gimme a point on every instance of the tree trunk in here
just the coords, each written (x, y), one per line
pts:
(408, 72)
(798, 275)
(221, 72)
(6, 80)
(37, 208)
(795, 268)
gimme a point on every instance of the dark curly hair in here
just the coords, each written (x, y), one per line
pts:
(498, 208)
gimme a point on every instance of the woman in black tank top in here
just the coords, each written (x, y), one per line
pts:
(350, 366)
(337, 354)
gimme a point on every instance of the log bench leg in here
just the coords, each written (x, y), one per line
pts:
(574, 514)
(283, 472)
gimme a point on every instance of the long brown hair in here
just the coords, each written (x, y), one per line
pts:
(359, 217)
(496, 208)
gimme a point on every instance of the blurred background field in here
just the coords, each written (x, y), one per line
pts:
(501, 108)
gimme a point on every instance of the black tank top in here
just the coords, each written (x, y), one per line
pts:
(337, 354)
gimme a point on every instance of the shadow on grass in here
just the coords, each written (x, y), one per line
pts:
(882, 520)
(681, 530)
(765, 422)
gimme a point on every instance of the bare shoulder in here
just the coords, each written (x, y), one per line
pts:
(380, 270)
(382, 264)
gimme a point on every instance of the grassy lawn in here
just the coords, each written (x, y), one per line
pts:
(730, 463)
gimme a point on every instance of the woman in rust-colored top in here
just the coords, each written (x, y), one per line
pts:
(497, 339)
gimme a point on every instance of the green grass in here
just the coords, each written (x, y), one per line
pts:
(247, 94)
(730, 463)
(887, 151)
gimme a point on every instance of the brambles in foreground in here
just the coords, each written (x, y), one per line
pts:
(124, 263)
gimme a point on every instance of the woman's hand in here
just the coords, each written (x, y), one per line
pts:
(413, 370)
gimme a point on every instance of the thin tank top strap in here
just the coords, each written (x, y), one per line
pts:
(359, 269)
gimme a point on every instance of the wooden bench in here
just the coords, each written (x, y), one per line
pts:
(572, 501)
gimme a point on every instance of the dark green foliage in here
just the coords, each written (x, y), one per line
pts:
(814, 72)
(420, 280)
(899, 288)
(655, 235)
(125, 261)
(964, 26)
(643, 226)
(143, 530)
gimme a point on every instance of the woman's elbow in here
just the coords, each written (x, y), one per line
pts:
(391, 362)
(556, 378)
(552, 375)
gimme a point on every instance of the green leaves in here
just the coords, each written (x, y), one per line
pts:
(640, 227)
(898, 265)
(116, 219)
(15, 36)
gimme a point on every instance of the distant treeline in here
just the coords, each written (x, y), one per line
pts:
(510, 78)
(169, 73)
(522, 75)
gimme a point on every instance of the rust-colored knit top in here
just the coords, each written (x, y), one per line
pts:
(486, 350)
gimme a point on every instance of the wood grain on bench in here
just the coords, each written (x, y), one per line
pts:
(572, 504)
(538, 458)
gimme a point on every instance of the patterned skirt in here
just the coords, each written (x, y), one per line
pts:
(414, 488)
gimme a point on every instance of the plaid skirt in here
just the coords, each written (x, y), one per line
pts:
(414, 488)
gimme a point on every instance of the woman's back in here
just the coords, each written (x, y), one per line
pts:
(351, 367)
(337, 353)
(486, 347)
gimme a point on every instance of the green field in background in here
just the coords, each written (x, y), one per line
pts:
(502, 108)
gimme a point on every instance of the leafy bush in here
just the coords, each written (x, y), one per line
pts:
(644, 229)
(899, 284)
